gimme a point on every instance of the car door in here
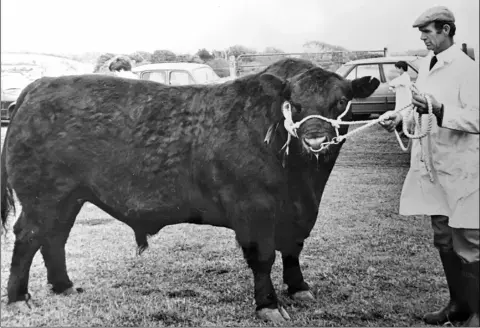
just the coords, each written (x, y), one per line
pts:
(376, 102)
(390, 73)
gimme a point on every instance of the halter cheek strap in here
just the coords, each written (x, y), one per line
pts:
(288, 122)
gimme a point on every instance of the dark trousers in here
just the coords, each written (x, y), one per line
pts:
(464, 242)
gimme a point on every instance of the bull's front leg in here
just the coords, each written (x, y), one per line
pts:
(298, 289)
(256, 236)
(260, 256)
(290, 236)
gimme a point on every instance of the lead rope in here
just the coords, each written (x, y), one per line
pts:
(408, 121)
(414, 119)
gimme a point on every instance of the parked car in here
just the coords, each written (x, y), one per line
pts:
(11, 84)
(383, 68)
(179, 73)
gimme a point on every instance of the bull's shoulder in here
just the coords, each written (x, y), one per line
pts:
(289, 67)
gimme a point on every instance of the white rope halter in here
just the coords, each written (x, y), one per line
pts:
(407, 121)
(292, 127)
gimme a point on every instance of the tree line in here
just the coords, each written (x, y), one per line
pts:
(218, 59)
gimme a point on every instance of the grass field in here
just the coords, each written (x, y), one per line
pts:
(367, 265)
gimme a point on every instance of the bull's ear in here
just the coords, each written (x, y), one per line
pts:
(364, 86)
(272, 84)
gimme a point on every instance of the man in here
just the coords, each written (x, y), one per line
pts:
(443, 180)
(122, 67)
(401, 84)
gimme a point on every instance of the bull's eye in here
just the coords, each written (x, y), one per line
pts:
(342, 102)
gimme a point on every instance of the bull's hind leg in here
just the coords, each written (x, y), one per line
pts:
(28, 239)
(45, 225)
(53, 247)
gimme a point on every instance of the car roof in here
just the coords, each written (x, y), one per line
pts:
(168, 66)
(381, 60)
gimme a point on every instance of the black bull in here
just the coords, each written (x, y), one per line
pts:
(152, 155)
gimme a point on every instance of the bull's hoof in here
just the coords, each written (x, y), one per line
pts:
(273, 315)
(304, 296)
(72, 291)
(23, 306)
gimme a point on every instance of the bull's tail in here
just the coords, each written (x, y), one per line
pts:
(6, 191)
(8, 202)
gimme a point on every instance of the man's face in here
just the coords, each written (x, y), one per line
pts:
(432, 38)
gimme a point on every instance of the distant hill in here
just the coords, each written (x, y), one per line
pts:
(318, 46)
(86, 57)
(42, 64)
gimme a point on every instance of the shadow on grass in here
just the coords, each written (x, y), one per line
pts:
(183, 293)
(170, 318)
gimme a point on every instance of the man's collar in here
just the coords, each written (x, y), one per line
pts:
(448, 54)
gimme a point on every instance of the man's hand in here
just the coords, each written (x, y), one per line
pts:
(390, 120)
(422, 106)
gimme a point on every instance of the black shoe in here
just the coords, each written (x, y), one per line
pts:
(457, 308)
(470, 276)
(452, 312)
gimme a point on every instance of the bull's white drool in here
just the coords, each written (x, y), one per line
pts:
(410, 120)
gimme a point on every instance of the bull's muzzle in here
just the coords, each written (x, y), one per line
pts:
(314, 143)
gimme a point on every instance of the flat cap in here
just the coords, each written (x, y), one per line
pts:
(438, 13)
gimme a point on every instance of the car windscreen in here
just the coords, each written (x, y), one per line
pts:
(205, 75)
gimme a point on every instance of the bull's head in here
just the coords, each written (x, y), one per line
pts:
(312, 94)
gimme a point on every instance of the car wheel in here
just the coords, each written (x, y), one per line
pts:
(11, 108)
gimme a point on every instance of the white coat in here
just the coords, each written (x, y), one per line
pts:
(454, 152)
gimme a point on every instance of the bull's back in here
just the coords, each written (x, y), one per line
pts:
(94, 111)
(122, 139)
(68, 115)
(78, 124)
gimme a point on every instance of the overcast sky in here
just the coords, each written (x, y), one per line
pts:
(184, 26)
